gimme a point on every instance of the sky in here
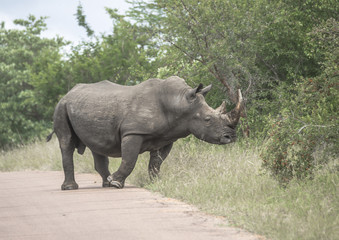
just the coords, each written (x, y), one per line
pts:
(61, 19)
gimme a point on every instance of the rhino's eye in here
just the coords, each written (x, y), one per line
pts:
(207, 118)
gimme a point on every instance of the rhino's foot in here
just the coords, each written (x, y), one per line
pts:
(69, 186)
(115, 183)
(106, 184)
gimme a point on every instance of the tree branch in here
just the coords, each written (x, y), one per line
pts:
(311, 125)
(186, 53)
(185, 7)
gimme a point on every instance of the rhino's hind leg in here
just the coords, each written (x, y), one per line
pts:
(156, 159)
(68, 166)
(101, 166)
(130, 148)
(67, 140)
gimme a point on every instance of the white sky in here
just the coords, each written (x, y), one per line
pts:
(61, 19)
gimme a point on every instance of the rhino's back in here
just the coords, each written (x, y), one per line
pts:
(96, 90)
(108, 89)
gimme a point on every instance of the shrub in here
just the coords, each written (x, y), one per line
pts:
(287, 154)
(308, 122)
(306, 127)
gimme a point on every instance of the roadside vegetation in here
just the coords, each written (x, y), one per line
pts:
(280, 179)
(225, 181)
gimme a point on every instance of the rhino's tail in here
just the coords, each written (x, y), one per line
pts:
(49, 137)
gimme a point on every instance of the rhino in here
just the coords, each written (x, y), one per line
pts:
(124, 121)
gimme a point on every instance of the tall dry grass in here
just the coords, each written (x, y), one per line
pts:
(229, 181)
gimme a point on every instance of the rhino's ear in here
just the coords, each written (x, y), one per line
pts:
(222, 108)
(199, 88)
(192, 94)
(205, 90)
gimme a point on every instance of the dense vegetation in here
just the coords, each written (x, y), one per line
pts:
(282, 54)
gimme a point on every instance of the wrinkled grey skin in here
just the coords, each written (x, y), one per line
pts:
(124, 121)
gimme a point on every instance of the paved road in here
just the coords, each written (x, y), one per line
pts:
(32, 206)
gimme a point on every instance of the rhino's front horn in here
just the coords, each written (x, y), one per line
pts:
(234, 114)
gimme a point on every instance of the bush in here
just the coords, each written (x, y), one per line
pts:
(287, 154)
(304, 136)
(307, 125)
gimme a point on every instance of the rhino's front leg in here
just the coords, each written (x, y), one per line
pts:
(130, 148)
(156, 159)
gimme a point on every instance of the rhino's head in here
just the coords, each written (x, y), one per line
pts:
(212, 125)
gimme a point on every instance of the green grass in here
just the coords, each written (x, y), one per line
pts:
(222, 180)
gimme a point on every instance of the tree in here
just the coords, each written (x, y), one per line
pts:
(81, 18)
(20, 117)
(282, 44)
(50, 79)
(308, 124)
(125, 56)
(216, 34)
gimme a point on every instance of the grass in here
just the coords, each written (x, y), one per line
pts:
(222, 180)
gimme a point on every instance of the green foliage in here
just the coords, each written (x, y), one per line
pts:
(125, 56)
(287, 53)
(20, 117)
(308, 124)
(81, 17)
(50, 79)
(281, 45)
(287, 154)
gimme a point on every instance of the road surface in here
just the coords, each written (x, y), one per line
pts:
(32, 206)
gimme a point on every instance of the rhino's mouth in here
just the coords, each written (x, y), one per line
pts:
(225, 139)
